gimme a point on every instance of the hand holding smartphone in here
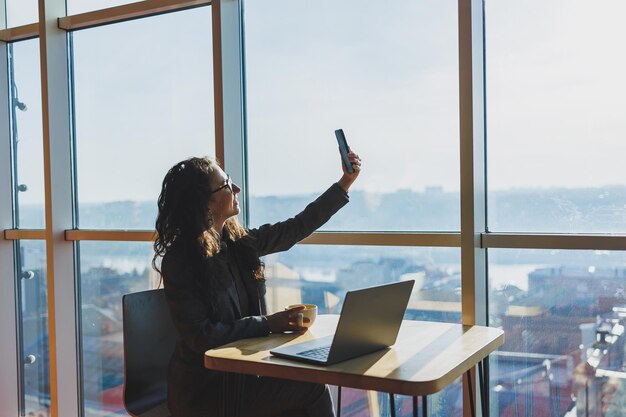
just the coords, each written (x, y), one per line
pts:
(344, 149)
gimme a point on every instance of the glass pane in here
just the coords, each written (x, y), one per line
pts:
(82, 6)
(27, 133)
(33, 302)
(144, 101)
(21, 12)
(107, 271)
(387, 76)
(556, 121)
(321, 275)
(563, 314)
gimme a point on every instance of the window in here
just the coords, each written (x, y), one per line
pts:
(322, 274)
(554, 131)
(108, 270)
(555, 116)
(556, 308)
(144, 101)
(33, 331)
(27, 145)
(21, 12)
(27, 178)
(388, 77)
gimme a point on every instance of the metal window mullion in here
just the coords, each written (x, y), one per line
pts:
(472, 169)
(111, 235)
(9, 377)
(450, 240)
(318, 238)
(425, 239)
(124, 12)
(554, 241)
(19, 33)
(24, 234)
(62, 297)
(473, 179)
(432, 239)
(228, 58)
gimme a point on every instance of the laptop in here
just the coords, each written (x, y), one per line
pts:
(370, 320)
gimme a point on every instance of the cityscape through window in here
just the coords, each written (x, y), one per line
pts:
(143, 96)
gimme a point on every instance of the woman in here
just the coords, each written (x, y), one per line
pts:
(215, 287)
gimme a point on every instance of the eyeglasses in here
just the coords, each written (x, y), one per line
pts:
(229, 185)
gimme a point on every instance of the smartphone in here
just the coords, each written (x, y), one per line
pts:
(343, 149)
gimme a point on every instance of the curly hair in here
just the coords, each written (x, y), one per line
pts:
(184, 219)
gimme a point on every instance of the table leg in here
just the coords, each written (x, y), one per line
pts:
(415, 406)
(338, 401)
(471, 393)
(484, 386)
(392, 405)
(424, 405)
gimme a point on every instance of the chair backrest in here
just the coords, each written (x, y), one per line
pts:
(149, 340)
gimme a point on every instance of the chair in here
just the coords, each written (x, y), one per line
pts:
(149, 340)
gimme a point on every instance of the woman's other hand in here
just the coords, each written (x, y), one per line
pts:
(286, 321)
(347, 179)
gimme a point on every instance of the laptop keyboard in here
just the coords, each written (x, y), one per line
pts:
(320, 353)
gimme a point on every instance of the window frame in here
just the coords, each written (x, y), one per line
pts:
(10, 392)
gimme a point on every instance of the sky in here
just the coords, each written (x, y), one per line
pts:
(387, 75)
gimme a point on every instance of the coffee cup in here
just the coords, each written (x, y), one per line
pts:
(309, 312)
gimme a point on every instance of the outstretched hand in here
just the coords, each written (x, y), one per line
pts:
(347, 179)
(285, 321)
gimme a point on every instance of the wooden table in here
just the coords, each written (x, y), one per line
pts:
(426, 358)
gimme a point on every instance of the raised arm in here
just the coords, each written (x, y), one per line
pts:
(281, 236)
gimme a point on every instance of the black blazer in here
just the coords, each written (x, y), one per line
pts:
(193, 391)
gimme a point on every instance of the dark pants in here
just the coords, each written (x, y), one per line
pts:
(262, 397)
